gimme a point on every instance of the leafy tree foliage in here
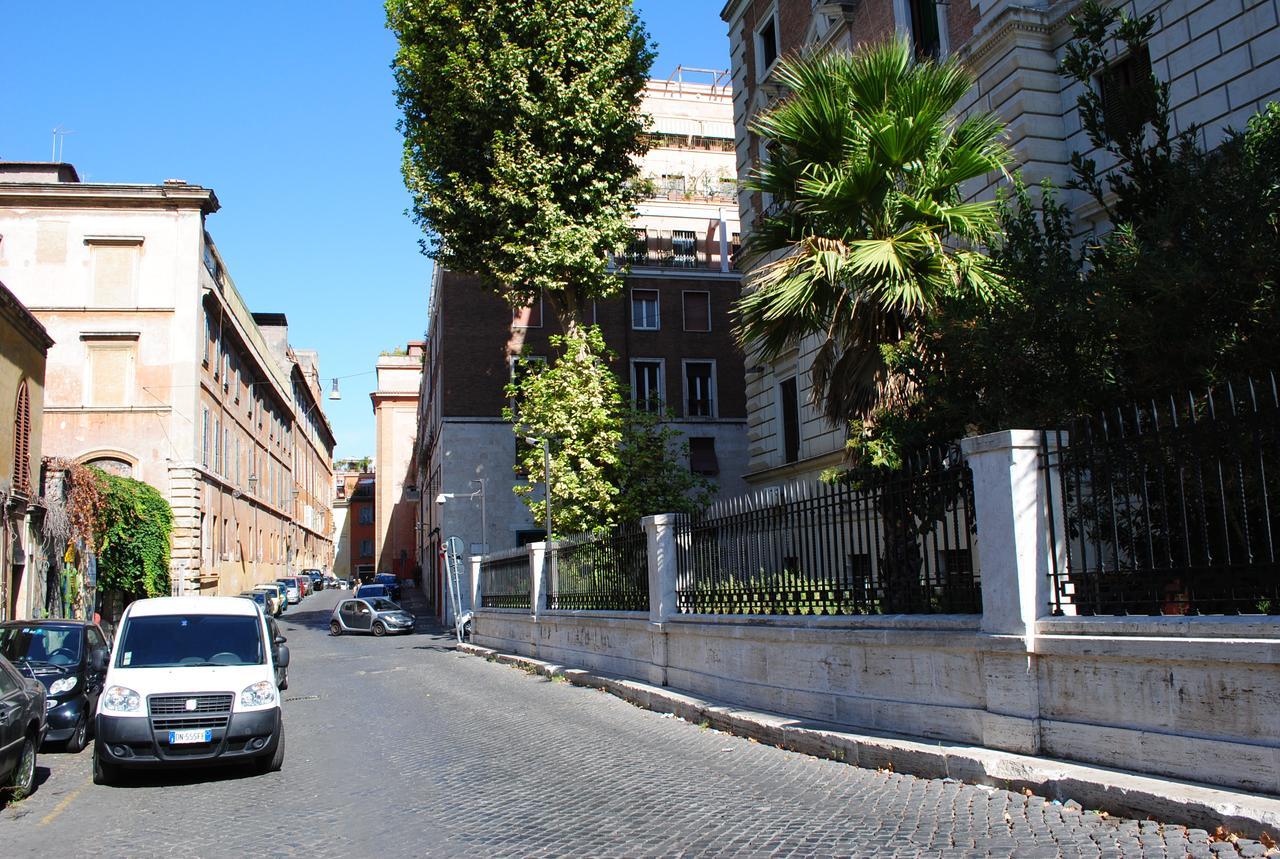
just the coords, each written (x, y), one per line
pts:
(609, 463)
(869, 234)
(520, 120)
(132, 536)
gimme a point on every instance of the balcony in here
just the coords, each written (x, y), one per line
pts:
(676, 249)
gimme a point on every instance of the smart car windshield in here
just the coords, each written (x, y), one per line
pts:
(48, 645)
(166, 641)
(380, 604)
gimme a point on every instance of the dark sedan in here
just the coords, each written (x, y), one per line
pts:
(21, 729)
(59, 653)
(391, 583)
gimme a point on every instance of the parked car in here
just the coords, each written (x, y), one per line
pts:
(60, 654)
(258, 597)
(376, 615)
(292, 589)
(281, 592)
(191, 681)
(369, 591)
(317, 579)
(277, 638)
(22, 727)
(391, 583)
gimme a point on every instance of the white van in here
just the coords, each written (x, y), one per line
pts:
(191, 681)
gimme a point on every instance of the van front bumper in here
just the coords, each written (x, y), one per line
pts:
(132, 742)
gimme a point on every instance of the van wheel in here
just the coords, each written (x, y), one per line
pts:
(103, 772)
(379, 629)
(273, 762)
(335, 628)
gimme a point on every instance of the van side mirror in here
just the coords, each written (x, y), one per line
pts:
(282, 656)
(99, 657)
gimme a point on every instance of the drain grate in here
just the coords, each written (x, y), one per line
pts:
(302, 698)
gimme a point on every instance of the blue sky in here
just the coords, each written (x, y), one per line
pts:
(285, 109)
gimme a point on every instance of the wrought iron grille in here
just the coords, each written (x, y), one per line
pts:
(1166, 508)
(609, 572)
(504, 579)
(901, 545)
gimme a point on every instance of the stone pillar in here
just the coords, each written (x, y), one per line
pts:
(475, 586)
(537, 576)
(1014, 548)
(660, 532)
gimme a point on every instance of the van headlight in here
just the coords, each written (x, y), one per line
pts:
(120, 699)
(260, 694)
(66, 684)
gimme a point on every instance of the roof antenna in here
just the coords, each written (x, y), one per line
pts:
(59, 138)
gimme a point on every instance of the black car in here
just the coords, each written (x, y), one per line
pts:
(59, 653)
(317, 579)
(282, 671)
(391, 583)
(21, 729)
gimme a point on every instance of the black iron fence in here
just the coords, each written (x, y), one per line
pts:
(901, 544)
(606, 572)
(1169, 507)
(504, 579)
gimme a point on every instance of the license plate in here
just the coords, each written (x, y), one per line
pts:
(196, 735)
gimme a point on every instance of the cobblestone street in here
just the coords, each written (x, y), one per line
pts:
(401, 747)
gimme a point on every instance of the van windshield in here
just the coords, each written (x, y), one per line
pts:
(167, 641)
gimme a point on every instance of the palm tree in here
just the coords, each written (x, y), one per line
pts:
(868, 230)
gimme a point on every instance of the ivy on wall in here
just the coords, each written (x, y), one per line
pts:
(132, 531)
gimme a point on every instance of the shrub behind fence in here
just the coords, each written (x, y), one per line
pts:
(601, 572)
(896, 545)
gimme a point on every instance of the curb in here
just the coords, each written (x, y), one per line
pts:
(1115, 791)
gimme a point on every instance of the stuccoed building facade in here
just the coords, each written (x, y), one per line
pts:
(24, 347)
(161, 373)
(670, 328)
(1218, 57)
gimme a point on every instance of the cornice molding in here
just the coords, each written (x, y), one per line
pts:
(21, 317)
(79, 195)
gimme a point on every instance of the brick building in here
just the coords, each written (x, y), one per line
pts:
(670, 328)
(1218, 57)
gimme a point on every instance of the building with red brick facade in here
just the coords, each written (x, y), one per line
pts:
(670, 329)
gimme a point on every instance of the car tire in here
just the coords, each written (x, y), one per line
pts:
(22, 781)
(103, 772)
(335, 628)
(80, 736)
(284, 681)
(273, 762)
(378, 628)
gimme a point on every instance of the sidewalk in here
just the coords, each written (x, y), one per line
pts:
(1079, 786)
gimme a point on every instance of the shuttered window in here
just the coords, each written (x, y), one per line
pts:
(22, 441)
(697, 311)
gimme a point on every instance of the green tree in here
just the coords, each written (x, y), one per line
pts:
(520, 120)
(865, 165)
(610, 464)
(132, 536)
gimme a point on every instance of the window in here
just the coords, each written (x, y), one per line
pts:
(673, 184)
(22, 441)
(697, 311)
(110, 375)
(217, 445)
(646, 385)
(208, 336)
(528, 317)
(366, 515)
(925, 36)
(684, 249)
(644, 309)
(955, 566)
(702, 456)
(789, 412)
(115, 272)
(766, 47)
(1128, 95)
(699, 389)
(366, 548)
(638, 250)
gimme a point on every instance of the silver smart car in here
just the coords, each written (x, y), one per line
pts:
(370, 614)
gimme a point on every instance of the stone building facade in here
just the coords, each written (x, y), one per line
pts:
(395, 409)
(670, 328)
(24, 349)
(161, 372)
(1219, 58)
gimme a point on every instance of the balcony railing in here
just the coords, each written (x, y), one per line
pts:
(672, 249)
